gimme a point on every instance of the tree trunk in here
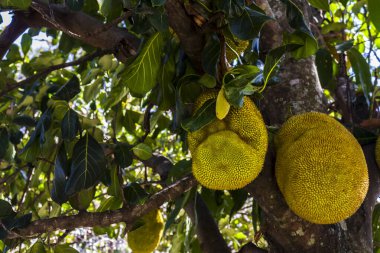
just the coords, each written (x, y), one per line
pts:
(300, 91)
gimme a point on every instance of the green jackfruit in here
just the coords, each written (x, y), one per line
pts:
(146, 238)
(320, 168)
(228, 154)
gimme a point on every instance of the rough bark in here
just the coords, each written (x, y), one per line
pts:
(299, 89)
(192, 40)
(128, 215)
(80, 26)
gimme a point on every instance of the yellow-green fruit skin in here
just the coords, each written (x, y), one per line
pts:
(238, 45)
(228, 154)
(320, 168)
(146, 238)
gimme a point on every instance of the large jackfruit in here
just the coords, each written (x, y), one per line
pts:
(320, 168)
(228, 154)
(146, 238)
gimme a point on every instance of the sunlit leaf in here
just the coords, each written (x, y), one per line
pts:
(374, 12)
(140, 76)
(361, 70)
(320, 4)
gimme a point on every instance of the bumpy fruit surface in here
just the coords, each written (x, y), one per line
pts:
(320, 168)
(146, 238)
(238, 46)
(228, 154)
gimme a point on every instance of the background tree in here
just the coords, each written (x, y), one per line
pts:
(92, 129)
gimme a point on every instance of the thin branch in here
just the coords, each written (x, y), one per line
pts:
(84, 219)
(27, 183)
(31, 79)
(77, 24)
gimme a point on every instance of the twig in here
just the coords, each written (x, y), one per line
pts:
(21, 201)
(109, 25)
(88, 57)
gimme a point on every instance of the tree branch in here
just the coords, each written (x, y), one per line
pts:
(10, 34)
(127, 215)
(192, 40)
(78, 25)
(207, 230)
(31, 79)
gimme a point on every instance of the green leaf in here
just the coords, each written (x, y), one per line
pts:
(273, 58)
(6, 209)
(134, 194)
(142, 151)
(248, 25)
(211, 54)
(374, 12)
(26, 42)
(140, 77)
(302, 35)
(64, 249)
(88, 165)
(75, 5)
(179, 170)
(204, 116)
(61, 172)
(81, 200)
(70, 125)
(69, 90)
(166, 93)
(38, 247)
(179, 204)
(158, 2)
(115, 188)
(123, 155)
(13, 54)
(362, 71)
(237, 83)
(324, 63)
(111, 9)
(20, 4)
(239, 197)
(4, 142)
(376, 217)
(320, 4)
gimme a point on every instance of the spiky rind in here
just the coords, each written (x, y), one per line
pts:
(146, 238)
(320, 168)
(242, 154)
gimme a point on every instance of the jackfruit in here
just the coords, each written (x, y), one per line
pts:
(320, 168)
(146, 238)
(237, 45)
(228, 154)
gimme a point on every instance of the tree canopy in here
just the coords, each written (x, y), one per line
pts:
(96, 102)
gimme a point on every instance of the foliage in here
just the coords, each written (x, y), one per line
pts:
(94, 126)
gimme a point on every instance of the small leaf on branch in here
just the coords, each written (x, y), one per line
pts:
(203, 116)
(88, 165)
(69, 90)
(140, 77)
